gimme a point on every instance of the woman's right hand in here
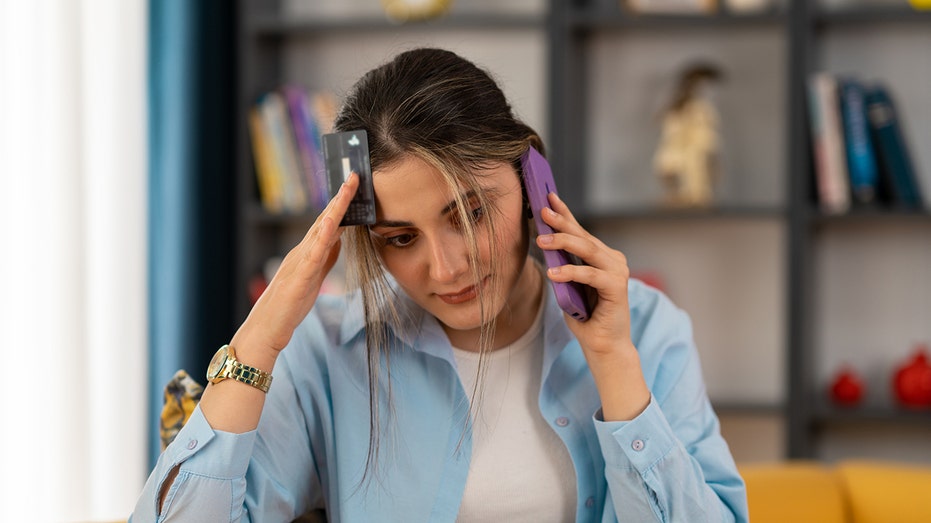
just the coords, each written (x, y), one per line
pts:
(234, 407)
(292, 292)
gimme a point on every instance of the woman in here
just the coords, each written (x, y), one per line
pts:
(450, 386)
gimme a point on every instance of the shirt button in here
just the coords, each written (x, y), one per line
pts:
(191, 444)
(562, 421)
(590, 502)
(637, 445)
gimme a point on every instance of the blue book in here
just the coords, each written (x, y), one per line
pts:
(861, 159)
(892, 151)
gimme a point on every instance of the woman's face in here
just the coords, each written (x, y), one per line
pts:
(422, 245)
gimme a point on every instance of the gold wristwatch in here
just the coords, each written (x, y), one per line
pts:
(225, 365)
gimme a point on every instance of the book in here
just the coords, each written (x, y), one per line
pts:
(286, 127)
(832, 180)
(307, 140)
(266, 169)
(275, 114)
(861, 158)
(894, 160)
(321, 105)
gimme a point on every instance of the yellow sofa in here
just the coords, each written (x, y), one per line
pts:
(853, 491)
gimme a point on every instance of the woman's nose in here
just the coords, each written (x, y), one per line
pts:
(449, 259)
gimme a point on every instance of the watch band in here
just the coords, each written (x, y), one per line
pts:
(259, 379)
(225, 365)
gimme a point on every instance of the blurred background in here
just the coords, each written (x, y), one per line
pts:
(158, 157)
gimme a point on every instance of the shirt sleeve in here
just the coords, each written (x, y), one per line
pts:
(263, 475)
(671, 463)
(210, 479)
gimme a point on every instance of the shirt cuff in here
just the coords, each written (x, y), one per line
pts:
(204, 451)
(637, 444)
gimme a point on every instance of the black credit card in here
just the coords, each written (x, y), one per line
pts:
(345, 153)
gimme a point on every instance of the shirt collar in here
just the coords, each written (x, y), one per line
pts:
(423, 332)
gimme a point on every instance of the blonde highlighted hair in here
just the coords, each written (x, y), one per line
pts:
(442, 109)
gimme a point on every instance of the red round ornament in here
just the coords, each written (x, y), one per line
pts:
(912, 380)
(847, 388)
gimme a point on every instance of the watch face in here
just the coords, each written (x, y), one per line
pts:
(218, 362)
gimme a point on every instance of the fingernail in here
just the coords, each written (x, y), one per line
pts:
(551, 212)
(555, 270)
(546, 239)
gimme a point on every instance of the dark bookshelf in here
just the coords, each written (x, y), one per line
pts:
(810, 415)
(568, 27)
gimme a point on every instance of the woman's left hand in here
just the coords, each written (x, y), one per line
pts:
(605, 337)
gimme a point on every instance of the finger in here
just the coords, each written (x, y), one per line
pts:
(572, 237)
(334, 211)
(336, 207)
(611, 286)
(598, 256)
(560, 208)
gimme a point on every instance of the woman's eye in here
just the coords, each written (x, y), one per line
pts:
(401, 240)
(475, 216)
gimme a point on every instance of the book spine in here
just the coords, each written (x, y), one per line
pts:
(894, 156)
(305, 139)
(266, 170)
(827, 135)
(322, 108)
(275, 113)
(861, 160)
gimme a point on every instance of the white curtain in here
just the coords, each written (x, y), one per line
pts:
(72, 259)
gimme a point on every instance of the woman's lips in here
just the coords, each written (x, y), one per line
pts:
(467, 294)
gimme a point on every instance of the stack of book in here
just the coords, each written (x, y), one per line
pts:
(285, 126)
(861, 155)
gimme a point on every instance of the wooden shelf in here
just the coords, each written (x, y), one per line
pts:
(274, 26)
(871, 215)
(735, 408)
(861, 15)
(727, 212)
(827, 414)
(618, 19)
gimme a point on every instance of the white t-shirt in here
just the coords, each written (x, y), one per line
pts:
(520, 469)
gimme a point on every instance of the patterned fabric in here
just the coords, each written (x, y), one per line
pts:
(181, 396)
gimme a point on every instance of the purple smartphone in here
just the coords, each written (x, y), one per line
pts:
(574, 298)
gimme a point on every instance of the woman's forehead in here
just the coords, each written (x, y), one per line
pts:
(413, 186)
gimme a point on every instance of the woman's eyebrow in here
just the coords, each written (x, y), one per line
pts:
(401, 223)
(390, 223)
(452, 205)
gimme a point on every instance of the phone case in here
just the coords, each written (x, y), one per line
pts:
(573, 297)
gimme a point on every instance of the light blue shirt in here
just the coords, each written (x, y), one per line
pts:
(309, 451)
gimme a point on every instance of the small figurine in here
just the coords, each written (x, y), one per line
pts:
(686, 159)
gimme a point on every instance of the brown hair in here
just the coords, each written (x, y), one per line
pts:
(436, 106)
